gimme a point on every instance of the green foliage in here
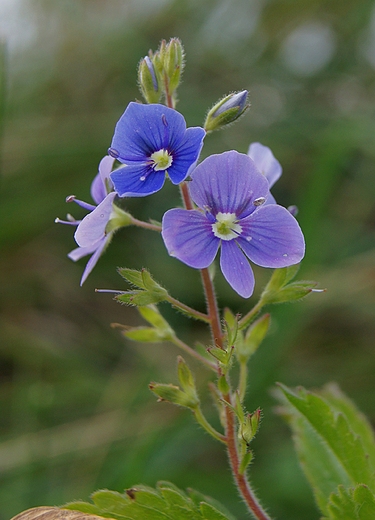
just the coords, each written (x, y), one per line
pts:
(352, 504)
(166, 502)
(160, 330)
(150, 291)
(279, 290)
(335, 446)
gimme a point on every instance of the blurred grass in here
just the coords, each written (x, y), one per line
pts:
(75, 410)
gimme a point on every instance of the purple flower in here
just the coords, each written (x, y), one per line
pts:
(95, 230)
(230, 194)
(267, 165)
(152, 141)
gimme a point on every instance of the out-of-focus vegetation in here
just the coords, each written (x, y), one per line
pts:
(76, 414)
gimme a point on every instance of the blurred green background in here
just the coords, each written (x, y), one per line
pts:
(75, 410)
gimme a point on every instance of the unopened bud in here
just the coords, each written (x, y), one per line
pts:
(148, 80)
(173, 63)
(250, 427)
(226, 111)
(174, 394)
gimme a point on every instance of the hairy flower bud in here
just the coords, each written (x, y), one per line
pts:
(148, 80)
(173, 63)
(226, 111)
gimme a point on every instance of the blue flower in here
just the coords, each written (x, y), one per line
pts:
(152, 141)
(267, 165)
(95, 230)
(230, 194)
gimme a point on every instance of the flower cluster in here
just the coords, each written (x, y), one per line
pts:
(234, 208)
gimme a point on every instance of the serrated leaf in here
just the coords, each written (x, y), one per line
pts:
(199, 497)
(167, 502)
(351, 504)
(357, 420)
(209, 512)
(329, 450)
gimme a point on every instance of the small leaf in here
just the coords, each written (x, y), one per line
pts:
(151, 314)
(132, 276)
(144, 335)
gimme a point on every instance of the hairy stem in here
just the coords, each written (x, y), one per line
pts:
(240, 478)
(207, 426)
(183, 346)
(251, 315)
(188, 310)
(146, 225)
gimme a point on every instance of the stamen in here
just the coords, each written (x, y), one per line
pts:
(161, 160)
(226, 226)
(259, 201)
(113, 153)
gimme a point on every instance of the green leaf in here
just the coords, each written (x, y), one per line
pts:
(209, 512)
(330, 450)
(144, 335)
(352, 504)
(132, 276)
(357, 420)
(139, 298)
(152, 315)
(166, 502)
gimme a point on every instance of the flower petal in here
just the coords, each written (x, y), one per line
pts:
(188, 236)
(265, 162)
(236, 269)
(92, 228)
(144, 129)
(101, 246)
(185, 156)
(127, 180)
(228, 182)
(271, 237)
(102, 181)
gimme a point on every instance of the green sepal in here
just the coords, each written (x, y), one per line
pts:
(160, 330)
(231, 326)
(185, 376)
(145, 335)
(291, 292)
(118, 219)
(173, 394)
(148, 80)
(150, 291)
(253, 338)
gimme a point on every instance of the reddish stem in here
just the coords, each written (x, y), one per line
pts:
(240, 479)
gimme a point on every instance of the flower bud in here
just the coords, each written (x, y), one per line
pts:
(148, 80)
(174, 394)
(226, 111)
(250, 427)
(173, 63)
(186, 379)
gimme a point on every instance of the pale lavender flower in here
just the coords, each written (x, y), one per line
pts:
(230, 194)
(267, 165)
(92, 235)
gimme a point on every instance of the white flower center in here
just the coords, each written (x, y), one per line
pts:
(226, 226)
(161, 160)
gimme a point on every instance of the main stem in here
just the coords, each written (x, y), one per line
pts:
(240, 478)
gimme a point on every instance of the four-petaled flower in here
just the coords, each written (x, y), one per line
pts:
(95, 230)
(152, 141)
(230, 193)
(267, 165)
